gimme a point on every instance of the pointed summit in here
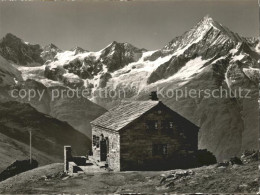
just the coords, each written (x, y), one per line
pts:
(9, 37)
(116, 55)
(20, 52)
(207, 22)
(207, 19)
(114, 43)
(116, 46)
(50, 51)
(202, 31)
(78, 50)
(51, 46)
(194, 35)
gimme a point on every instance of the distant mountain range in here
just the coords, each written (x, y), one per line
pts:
(208, 56)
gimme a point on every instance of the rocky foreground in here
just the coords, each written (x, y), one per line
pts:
(226, 177)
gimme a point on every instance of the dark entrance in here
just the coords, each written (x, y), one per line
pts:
(103, 150)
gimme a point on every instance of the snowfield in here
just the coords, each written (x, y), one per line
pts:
(37, 74)
(188, 71)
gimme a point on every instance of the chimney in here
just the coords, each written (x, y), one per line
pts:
(153, 96)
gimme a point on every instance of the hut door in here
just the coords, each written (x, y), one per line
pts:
(103, 150)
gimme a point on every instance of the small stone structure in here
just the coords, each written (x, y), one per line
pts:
(143, 135)
(72, 163)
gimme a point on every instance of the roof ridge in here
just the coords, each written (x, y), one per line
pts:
(124, 113)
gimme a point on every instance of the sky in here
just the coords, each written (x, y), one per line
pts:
(145, 24)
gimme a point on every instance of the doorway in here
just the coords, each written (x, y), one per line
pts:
(103, 150)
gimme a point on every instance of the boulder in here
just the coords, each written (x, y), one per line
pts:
(17, 167)
(235, 161)
(249, 156)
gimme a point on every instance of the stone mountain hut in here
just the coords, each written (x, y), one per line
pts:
(143, 135)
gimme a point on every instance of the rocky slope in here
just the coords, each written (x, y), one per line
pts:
(8, 74)
(16, 50)
(49, 135)
(209, 56)
(78, 112)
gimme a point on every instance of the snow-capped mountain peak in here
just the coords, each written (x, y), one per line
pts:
(116, 46)
(78, 50)
(207, 20)
(206, 30)
(49, 52)
(51, 46)
(194, 35)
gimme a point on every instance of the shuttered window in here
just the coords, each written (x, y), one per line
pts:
(152, 125)
(159, 149)
(94, 140)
